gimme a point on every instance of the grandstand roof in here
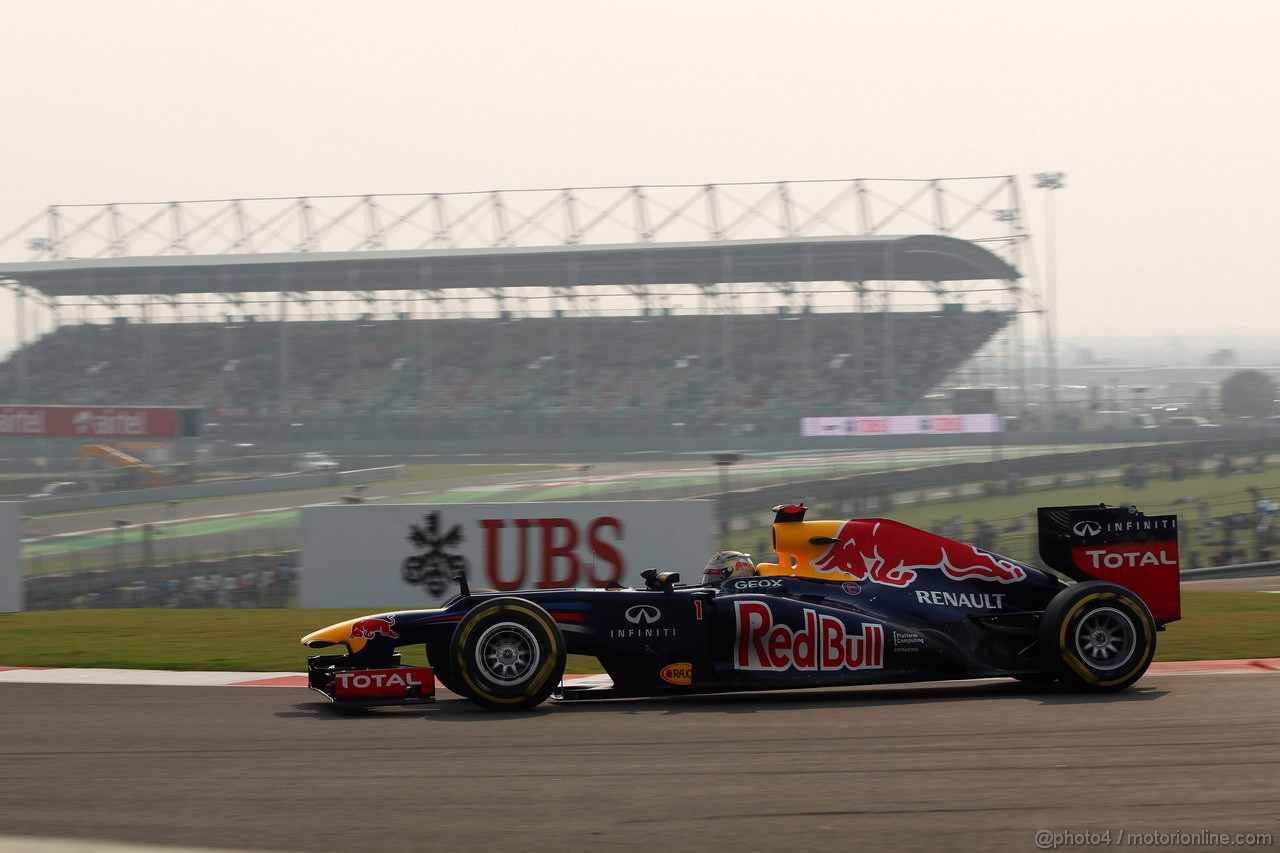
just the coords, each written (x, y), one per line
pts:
(862, 258)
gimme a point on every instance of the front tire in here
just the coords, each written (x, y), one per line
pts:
(1097, 637)
(507, 654)
(438, 660)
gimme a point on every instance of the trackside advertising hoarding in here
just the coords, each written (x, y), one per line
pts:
(901, 425)
(403, 556)
(91, 422)
(11, 592)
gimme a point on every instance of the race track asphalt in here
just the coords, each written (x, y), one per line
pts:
(976, 765)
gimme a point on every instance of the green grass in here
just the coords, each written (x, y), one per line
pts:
(1159, 496)
(1223, 625)
(430, 473)
(410, 476)
(1216, 625)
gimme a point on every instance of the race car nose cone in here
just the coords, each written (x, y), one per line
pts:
(331, 636)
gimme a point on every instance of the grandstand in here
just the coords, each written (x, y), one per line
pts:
(452, 377)
(447, 338)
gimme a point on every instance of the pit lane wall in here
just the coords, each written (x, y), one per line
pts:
(403, 556)
(11, 600)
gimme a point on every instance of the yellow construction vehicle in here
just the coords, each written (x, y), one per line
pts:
(134, 471)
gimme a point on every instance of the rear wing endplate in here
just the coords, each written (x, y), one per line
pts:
(1116, 544)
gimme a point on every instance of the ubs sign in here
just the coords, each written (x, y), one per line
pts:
(378, 555)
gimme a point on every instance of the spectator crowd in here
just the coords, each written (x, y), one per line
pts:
(620, 371)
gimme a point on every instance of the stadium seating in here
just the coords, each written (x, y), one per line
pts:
(530, 375)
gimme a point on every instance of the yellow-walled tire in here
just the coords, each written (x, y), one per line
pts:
(1097, 637)
(507, 654)
(438, 659)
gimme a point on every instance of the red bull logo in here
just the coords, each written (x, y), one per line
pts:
(822, 645)
(893, 554)
(374, 626)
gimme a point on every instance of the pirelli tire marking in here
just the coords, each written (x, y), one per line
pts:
(1103, 636)
(509, 654)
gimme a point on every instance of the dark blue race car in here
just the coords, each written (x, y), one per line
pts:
(859, 601)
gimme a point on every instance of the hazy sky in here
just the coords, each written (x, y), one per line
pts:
(1163, 115)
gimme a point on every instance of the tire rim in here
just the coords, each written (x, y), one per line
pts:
(507, 652)
(1106, 638)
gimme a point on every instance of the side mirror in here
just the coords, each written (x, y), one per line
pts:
(663, 581)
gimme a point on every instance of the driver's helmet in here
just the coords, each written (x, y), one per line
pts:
(727, 564)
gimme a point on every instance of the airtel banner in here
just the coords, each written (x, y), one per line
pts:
(404, 557)
(97, 422)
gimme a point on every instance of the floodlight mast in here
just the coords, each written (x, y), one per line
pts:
(1051, 181)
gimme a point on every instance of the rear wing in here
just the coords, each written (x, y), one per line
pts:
(1116, 544)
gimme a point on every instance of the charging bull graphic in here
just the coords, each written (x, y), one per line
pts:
(373, 626)
(893, 554)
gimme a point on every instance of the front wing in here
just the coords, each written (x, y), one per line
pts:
(347, 684)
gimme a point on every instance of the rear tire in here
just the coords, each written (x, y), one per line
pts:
(1097, 637)
(507, 654)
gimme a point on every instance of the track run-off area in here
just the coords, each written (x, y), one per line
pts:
(947, 766)
(255, 761)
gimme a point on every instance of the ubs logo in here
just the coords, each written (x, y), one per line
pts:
(433, 568)
(1086, 528)
(643, 614)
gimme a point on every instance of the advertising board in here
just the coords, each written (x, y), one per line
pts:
(92, 422)
(404, 556)
(11, 593)
(901, 425)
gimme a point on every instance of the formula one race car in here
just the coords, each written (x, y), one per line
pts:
(863, 601)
